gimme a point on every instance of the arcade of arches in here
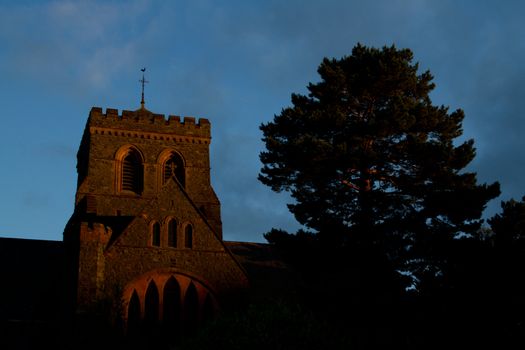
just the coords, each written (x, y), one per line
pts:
(169, 299)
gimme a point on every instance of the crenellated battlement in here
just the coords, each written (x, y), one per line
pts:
(146, 121)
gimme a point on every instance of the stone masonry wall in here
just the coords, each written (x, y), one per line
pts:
(113, 227)
(151, 135)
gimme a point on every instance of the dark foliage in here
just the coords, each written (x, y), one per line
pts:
(509, 264)
(379, 180)
(370, 161)
(271, 324)
(509, 226)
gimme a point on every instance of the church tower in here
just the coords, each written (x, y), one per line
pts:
(146, 233)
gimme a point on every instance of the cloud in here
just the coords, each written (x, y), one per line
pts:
(237, 63)
(76, 42)
(249, 208)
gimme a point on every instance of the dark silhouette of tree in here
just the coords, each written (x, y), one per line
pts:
(509, 226)
(371, 162)
(508, 276)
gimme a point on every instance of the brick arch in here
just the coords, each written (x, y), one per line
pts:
(122, 151)
(166, 153)
(136, 292)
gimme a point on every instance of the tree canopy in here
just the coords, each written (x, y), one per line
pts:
(509, 226)
(367, 157)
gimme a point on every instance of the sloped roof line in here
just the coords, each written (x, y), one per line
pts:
(152, 201)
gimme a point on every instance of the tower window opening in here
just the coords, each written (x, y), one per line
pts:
(174, 169)
(132, 172)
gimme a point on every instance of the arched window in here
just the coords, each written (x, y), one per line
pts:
(155, 234)
(191, 307)
(172, 233)
(134, 312)
(132, 172)
(173, 168)
(188, 236)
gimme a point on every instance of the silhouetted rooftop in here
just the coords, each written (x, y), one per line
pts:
(32, 277)
(268, 273)
(32, 272)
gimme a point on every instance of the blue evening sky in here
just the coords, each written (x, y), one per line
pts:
(235, 63)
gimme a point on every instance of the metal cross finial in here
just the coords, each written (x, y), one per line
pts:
(143, 81)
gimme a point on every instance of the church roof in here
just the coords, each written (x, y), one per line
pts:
(32, 277)
(267, 272)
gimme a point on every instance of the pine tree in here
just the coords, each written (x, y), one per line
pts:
(368, 158)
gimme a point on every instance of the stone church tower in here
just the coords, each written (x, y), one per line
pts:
(146, 231)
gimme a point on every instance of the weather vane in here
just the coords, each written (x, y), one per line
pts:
(143, 81)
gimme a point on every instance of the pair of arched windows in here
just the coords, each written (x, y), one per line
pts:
(132, 170)
(172, 232)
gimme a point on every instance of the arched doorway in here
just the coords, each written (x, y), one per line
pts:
(151, 305)
(171, 309)
(191, 307)
(134, 318)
